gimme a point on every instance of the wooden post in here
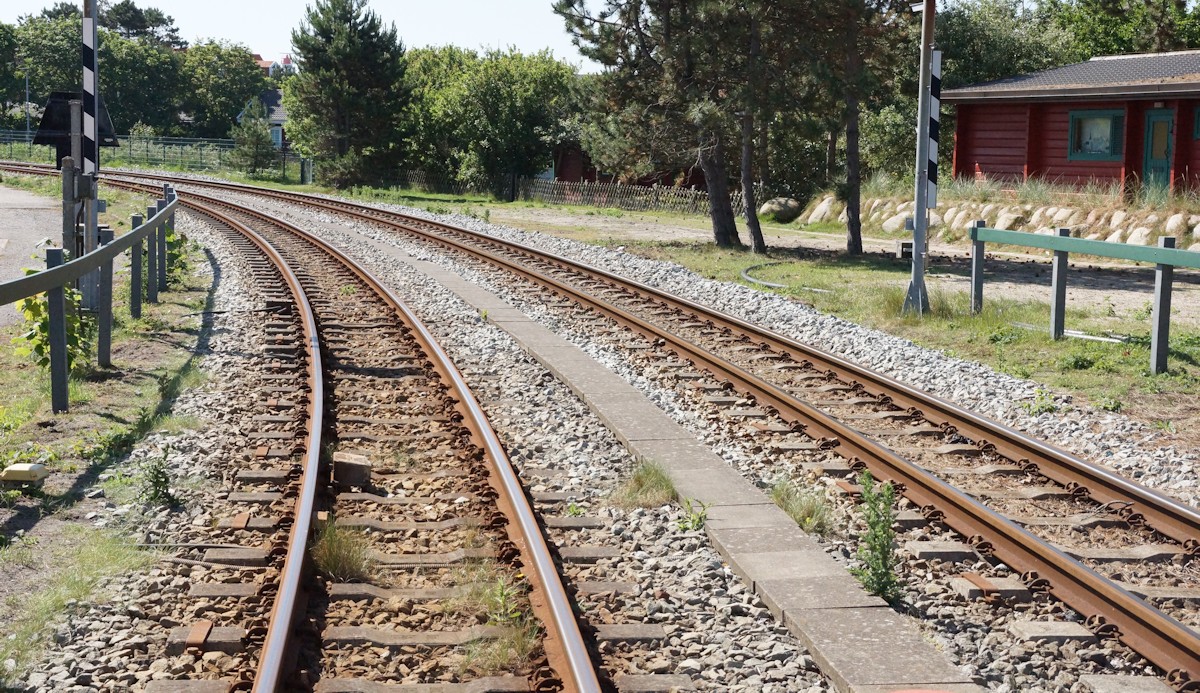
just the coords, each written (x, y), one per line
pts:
(104, 306)
(135, 271)
(977, 270)
(151, 261)
(1160, 318)
(1058, 304)
(57, 309)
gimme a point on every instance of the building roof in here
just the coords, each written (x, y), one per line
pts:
(1146, 75)
(273, 100)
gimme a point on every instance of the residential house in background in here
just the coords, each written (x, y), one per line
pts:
(272, 68)
(272, 99)
(1114, 119)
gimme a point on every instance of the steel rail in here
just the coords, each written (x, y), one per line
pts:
(1162, 513)
(574, 664)
(272, 659)
(1164, 641)
(1167, 643)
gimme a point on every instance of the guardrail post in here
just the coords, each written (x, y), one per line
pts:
(56, 308)
(1058, 304)
(151, 261)
(135, 271)
(161, 234)
(1160, 318)
(105, 298)
(976, 269)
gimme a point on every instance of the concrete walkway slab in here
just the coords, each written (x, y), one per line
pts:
(859, 643)
(871, 647)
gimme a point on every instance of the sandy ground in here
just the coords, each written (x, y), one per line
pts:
(1125, 289)
(25, 220)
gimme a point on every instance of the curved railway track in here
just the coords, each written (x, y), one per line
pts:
(818, 395)
(378, 350)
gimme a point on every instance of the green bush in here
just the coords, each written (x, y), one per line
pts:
(34, 339)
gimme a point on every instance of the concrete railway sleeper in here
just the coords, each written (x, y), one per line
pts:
(826, 402)
(1110, 608)
(424, 431)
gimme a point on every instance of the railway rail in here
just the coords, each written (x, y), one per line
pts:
(826, 400)
(374, 349)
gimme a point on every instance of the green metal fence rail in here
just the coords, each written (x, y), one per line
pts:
(1165, 258)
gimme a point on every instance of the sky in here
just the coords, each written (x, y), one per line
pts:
(265, 26)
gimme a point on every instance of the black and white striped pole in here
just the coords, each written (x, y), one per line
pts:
(917, 299)
(90, 156)
(935, 127)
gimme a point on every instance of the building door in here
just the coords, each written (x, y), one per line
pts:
(1156, 170)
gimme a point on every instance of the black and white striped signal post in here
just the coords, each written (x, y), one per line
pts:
(89, 50)
(935, 127)
(917, 298)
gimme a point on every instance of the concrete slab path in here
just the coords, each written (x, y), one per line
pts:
(860, 643)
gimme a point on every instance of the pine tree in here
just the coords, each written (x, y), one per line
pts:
(349, 99)
(253, 148)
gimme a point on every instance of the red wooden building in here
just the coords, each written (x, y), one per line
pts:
(1113, 119)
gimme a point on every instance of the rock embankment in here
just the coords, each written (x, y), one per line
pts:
(952, 219)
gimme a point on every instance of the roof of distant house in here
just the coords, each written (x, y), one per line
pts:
(1147, 75)
(273, 100)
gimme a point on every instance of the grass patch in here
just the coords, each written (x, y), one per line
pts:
(501, 600)
(647, 487)
(809, 509)
(82, 561)
(342, 554)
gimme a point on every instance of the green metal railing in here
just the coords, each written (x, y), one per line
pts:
(1165, 258)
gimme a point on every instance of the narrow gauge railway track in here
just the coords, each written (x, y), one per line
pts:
(784, 376)
(377, 355)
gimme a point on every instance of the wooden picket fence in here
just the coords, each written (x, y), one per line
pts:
(638, 198)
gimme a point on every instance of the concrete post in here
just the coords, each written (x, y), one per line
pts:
(1160, 318)
(104, 296)
(1058, 304)
(161, 234)
(57, 310)
(135, 271)
(977, 271)
(151, 261)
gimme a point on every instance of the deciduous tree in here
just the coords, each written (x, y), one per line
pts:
(221, 77)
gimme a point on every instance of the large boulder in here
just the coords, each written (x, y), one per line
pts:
(895, 223)
(822, 212)
(1009, 220)
(1176, 225)
(780, 209)
(1139, 236)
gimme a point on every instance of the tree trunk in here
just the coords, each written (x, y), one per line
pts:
(831, 155)
(853, 183)
(756, 237)
(712, 162)
(764, 153)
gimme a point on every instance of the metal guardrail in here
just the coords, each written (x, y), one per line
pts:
(58, 275)
(1166, 257)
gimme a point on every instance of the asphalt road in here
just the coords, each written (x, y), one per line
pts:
(25, 221)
